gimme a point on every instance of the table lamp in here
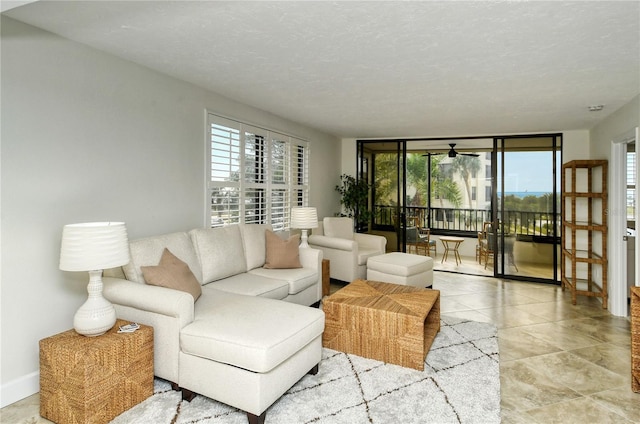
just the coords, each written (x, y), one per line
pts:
(93, 247)
(304, 219)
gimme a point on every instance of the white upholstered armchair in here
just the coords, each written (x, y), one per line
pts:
(346, 250)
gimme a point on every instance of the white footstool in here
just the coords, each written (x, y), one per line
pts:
(401, 268)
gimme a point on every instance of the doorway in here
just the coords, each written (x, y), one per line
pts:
(624, 215)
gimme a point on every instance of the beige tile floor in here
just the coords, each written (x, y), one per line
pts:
(559, 363)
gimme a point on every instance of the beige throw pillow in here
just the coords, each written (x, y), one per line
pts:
(282, 253)
(172, 273)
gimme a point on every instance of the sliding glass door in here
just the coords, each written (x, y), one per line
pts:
(526, 220)
(383, 165)
(500, 194)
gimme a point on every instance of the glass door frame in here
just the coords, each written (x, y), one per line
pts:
(366, 169)
(498, 208)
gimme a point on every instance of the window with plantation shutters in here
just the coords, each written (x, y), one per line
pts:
(255, 175)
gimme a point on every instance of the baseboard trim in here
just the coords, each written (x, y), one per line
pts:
(20, 388)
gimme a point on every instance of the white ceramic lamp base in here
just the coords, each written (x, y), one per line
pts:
(97, 315)
(304, 239)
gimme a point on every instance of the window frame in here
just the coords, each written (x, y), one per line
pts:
(265, 186)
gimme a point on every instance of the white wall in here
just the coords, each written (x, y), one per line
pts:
(575, 145)
(349, 156)
(621, 121)
(89, 137)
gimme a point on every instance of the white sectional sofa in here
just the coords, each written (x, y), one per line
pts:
(249, 336)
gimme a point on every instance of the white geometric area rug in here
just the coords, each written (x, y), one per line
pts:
(460, 384)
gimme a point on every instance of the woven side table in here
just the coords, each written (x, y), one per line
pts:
(635, 339)
(94, 379)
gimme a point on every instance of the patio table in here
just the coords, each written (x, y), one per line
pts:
(451, 245)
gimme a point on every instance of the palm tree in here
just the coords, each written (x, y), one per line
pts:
(443, 187)
(466, 166)
(442, 183)
(417, 178)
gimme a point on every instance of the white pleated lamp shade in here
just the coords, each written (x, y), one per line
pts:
(304, 218)
(94, 246)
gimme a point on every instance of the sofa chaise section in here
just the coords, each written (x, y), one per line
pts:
(253, 360)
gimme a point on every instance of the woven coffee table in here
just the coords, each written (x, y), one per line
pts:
(383, 321)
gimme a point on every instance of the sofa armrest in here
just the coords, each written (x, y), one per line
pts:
(333, 243)
(371, 241)
(152, 299)
(311, 258)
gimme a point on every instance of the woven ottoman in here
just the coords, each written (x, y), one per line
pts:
(401, 268)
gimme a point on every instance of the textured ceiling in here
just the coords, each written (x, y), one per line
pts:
(380, 69)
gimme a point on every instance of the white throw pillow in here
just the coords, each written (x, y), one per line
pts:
(253, 239)
(220, 252)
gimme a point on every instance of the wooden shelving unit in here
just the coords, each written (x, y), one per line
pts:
(584, 229)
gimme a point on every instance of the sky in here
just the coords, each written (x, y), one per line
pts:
(529, 171)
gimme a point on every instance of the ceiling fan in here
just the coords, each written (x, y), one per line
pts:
(452, 152)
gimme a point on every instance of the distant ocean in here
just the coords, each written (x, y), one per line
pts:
(522, 194)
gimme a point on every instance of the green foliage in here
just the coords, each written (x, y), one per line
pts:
(442, 184)
(531, 203)
(354, 194)
(386, 181)
(449, 190)
(466, 166)
(417, 177)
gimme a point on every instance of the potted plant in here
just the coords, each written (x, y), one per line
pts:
(354, 194)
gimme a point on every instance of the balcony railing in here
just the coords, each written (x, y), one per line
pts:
(526, 225)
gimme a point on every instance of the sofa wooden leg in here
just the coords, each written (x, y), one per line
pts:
(256, 419)
(187, 395)
(314, 370)
(175, 387)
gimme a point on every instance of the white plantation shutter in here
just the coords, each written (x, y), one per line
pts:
(224, 173)
(279, 159)
(255, 175)
(280, 179)
(300, 172)
(280, 209)
(225, 152)
(255, 186)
